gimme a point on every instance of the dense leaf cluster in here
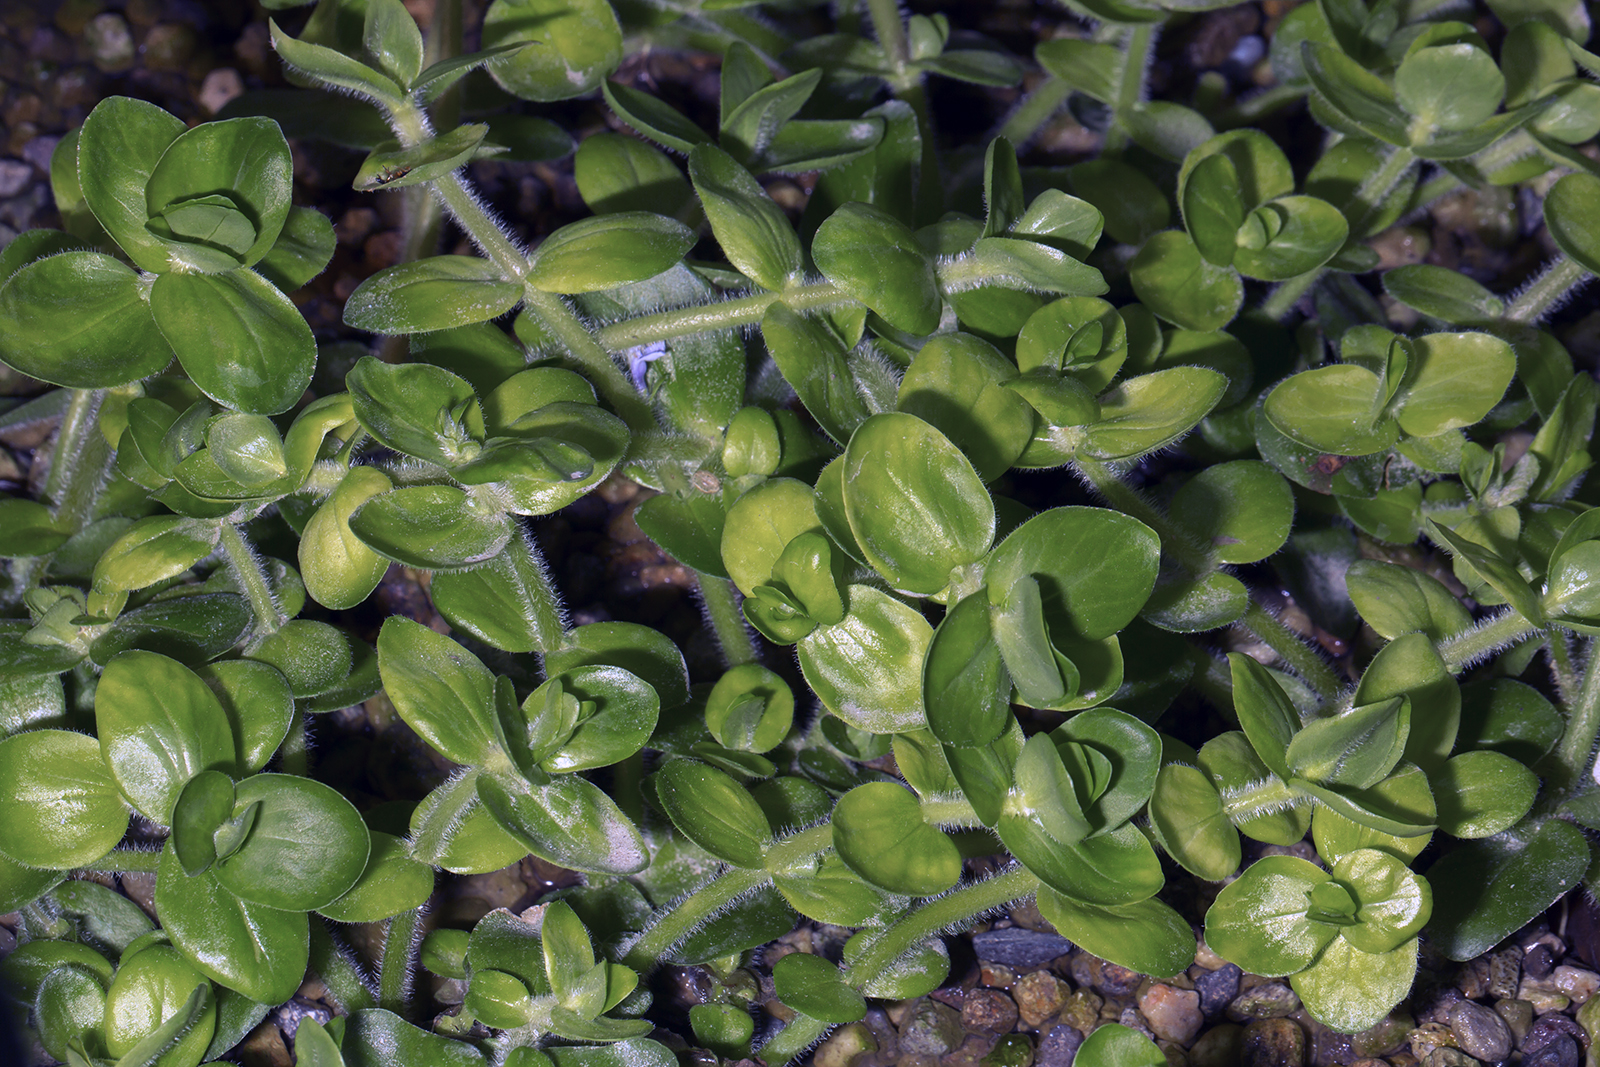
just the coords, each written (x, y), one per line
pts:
(1024, 666)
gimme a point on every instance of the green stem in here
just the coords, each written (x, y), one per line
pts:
(331, 961)
(953, 811)
(721, 601)
(1488, 636)
(1571, 756)
(1565, 674)
(591, 355)
(1259, 798)
(727, 315)
(124, 861)
(252, 579)
(394, 973)
(651, 948)
(1130, 86)
(798, 847)
(931, 917)
(1546, 292)
(1287, 294)
(885, 15)
(1036, 109)
(79, 461)
(1372, 191)
(1299, 656)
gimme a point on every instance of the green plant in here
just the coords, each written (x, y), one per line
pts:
(170, 621)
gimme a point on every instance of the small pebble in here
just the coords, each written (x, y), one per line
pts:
(109, 42)
(1429, 1036)
(1544, 999)
(14, 176)
(1220, 1046)
(1020, 948)
(932, 1029)
(997, 976)
(1273, 1043)
(219, 87)
(1270, 1000)
(1384, 1037)
(1538, 962)
(1059, 1047)
(1547, 1030)
(169, 46)
(1082, 1009)
(1039, 996)
(989, 1010)
(1480, 1031)
(1518, 1015)
(1449, 1057)
(1173, 1014)
(844, 1045)
(1577, 983)
(1562, 1051)
(1217, 988)
(1013, 1050)
(1505, 968)
(1117, 981)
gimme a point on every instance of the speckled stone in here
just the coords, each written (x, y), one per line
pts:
(1480, 1031)
(997, 976)
(1173, 1014)
(1270, 1000)
(1082, 1009)
(1538, 962)
(1220, 1046)
(1429, 1036)
(1059, 1047)
(1386, 1036)
(1217, 988)
(932, 1029)
(109, 42)
(1449, 1057)
(1505, 970)
(1273, 1043)
(1019, 948)
(1116, 980)
(1544, 999)
(989, 1010)
(1039, 996)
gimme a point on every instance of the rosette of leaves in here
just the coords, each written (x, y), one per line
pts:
(150, 1003)
(1345, 937)
(520, 760)
(1442, 101)
(534, 979)
(205, 219)
(249, 853)
(534, 444)
(1242, 218)
(1391, 391)
(1027, 613)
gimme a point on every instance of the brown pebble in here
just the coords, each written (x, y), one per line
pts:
(1039, 996)
(1273, 1043)
(989, 1010)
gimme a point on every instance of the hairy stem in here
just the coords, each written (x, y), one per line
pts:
(590, 354)
(1570, 759)
(956, 909)
(123, 861)
(1547, 291)
(80, 460)
(1287, 294)
(721, 601)
(350, 988)
(655, 943)
(1036, 109)
(1490, 635)
(1562, 669)
(394, 974)
(727, 315)
(1300, 657)
(1259, 798)
(294, 755)
(252, 578)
